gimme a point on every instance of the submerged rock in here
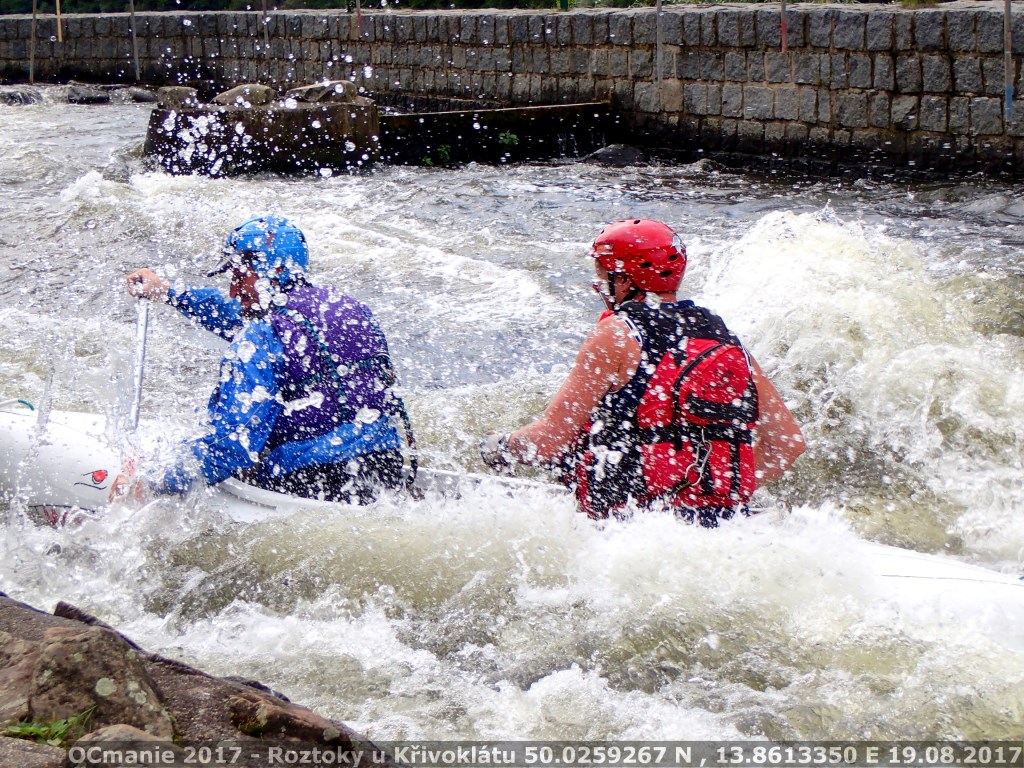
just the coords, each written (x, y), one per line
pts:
(617, 155)
(332, 91)
(246, 95)
(177, 97)
(19, 96)
(134, 94)
(76, 93)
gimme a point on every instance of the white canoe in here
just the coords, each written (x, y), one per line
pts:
(66, 468)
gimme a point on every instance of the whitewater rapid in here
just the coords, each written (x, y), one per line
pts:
(890, 316)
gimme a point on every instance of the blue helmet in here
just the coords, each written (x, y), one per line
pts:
(270, 245)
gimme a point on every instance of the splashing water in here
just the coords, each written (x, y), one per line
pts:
(889, 316)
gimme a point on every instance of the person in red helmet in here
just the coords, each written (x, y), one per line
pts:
(663, 407)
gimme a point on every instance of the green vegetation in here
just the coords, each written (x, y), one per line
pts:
(444, 156)
(507, 139)
(56, 733)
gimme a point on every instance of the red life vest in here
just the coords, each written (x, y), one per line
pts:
(681, 431)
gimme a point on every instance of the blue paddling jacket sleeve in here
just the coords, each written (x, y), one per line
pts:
(245, 405)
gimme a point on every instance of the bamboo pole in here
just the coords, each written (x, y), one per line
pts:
(784, 28)
(32, 48)
(1008, 60)
(657, 50)
(266, 32)
(60, 35)
(135, 41)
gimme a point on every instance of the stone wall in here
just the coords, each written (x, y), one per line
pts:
(859, 82)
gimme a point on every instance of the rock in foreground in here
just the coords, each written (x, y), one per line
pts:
(70, 667)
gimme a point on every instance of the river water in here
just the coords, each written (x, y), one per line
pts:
(890, 315)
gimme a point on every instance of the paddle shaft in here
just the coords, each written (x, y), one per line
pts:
(141, 331)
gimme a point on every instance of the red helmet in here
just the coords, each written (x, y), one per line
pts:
(649, 252)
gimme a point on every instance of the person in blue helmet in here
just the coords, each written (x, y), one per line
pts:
(305, 403)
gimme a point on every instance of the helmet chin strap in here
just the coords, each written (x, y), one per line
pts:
(609, 300)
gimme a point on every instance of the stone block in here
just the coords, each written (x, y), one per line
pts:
(879, 110)
(560, 61)
(601, 29)
(583, 29)
(989, 25)
(671, 96)
(796, 133)
(986, 116)
(748, 28)
(758, 102)
(1016, 126)
(623, 96)
(712, 65)
(729, 27)
(520, 89)
(879, 30)
(732, 100)
(859, 70)
(756, 72)
(808, 105)
(774, 133)
(884, 77)
(519, 31)
(579, 61)
(708, 30)
(852, 110)
(796, 33)
(535, 28)
(542, 61)
(695, 98)
(620, 29)
(936, 74)
(993, 74)
(819, 27)
(908, 74)
(564, 30)
(905, 112)
(787, 103)
(960, 30)
(420, 30)
(818, 136)
(903, 32)
(691, 28)
(777, 67)
(671, 27)
(688, 65)
(967, 75)
(521, 59)
(850, 30)
(750, 135)
(714, 99)
(646, 97)
(929, 29)
(807, 68)
(769, 27)
(735, 63)
(485, 30)
(645, 28)
(934, 115)
(824, 106)
(618, 62)
(551, 25)
(641, 63)
(840, 78)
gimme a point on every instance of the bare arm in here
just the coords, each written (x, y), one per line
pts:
(606, 362)
(778, 441)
